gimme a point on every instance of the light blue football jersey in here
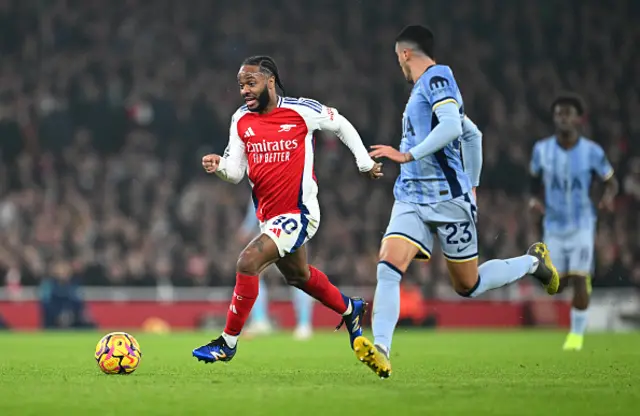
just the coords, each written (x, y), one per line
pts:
(440, 176)
(567, 176)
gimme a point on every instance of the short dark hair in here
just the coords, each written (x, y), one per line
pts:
(572, 99)
(267, 66)
(420, 36)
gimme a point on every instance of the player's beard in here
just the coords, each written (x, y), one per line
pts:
(262, 99)
(406, 71)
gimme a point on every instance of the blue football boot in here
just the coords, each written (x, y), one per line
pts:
(216, 350)
(353, 321)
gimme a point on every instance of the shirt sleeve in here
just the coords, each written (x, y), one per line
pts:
(439, 89)
(448, 129)
(233, 163)
(600, 164)
(321, 117)
(471, 143)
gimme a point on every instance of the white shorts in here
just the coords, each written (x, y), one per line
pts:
(572, 253)
(291, 231)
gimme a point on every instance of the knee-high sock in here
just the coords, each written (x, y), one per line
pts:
(244, 296)
(386, 304)
(497, 273)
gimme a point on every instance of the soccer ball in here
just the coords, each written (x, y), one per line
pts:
(118, 353)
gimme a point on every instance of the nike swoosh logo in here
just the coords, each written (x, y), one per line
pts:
(461, 249)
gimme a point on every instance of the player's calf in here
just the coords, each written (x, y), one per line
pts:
(295, 273)
(259, 254)
(396, 253)
(299, 273)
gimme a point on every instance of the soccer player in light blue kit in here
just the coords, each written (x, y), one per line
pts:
(435, 198)
(260, 323)
(562, 167)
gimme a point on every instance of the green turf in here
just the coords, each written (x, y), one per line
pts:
(435, 373)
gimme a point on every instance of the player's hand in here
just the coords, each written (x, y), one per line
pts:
(381, 150)
(606, 204)
(375, 172)
(475, 198)
(210, 163)
(536, 206)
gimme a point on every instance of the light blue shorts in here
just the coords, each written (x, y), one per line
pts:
(572, 253)
(453, 221)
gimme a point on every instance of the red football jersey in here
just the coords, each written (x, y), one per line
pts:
(278, 150)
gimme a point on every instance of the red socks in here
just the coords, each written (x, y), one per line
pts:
(319, 287)
(244, 296)
(246, 292)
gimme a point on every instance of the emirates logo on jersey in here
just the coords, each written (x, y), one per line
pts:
(272, 146)
(271, 151)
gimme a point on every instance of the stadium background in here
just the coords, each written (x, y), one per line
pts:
(107, 107)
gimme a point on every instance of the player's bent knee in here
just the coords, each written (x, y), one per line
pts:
(464, 277)
(297, 279)
(398, 253)
(466, 288)
(248, 264)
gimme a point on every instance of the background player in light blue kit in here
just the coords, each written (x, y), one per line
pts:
(435, 198)
(260, 323)
(562, 166)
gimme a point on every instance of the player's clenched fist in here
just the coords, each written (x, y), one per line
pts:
(210, 163)
(376, 171)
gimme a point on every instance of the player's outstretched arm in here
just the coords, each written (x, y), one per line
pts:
(321, 117)
(330, 120)
(351, 138)
(449, 128)
(472, 150)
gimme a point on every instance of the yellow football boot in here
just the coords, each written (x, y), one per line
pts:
(546, 272)
(372, 356)
(573, 342)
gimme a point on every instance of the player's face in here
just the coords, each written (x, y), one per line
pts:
(566, 118)
(254, 87)
(403, 54)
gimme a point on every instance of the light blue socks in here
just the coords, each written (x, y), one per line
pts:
(386, 304)
(578, 321)
(497, 273)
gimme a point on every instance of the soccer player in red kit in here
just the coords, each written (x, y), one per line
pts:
(271, 138)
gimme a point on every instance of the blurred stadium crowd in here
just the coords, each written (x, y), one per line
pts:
(106, 108)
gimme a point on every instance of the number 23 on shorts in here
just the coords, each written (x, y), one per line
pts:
(458, 240)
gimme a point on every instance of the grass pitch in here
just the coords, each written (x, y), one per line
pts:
(434, 373)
